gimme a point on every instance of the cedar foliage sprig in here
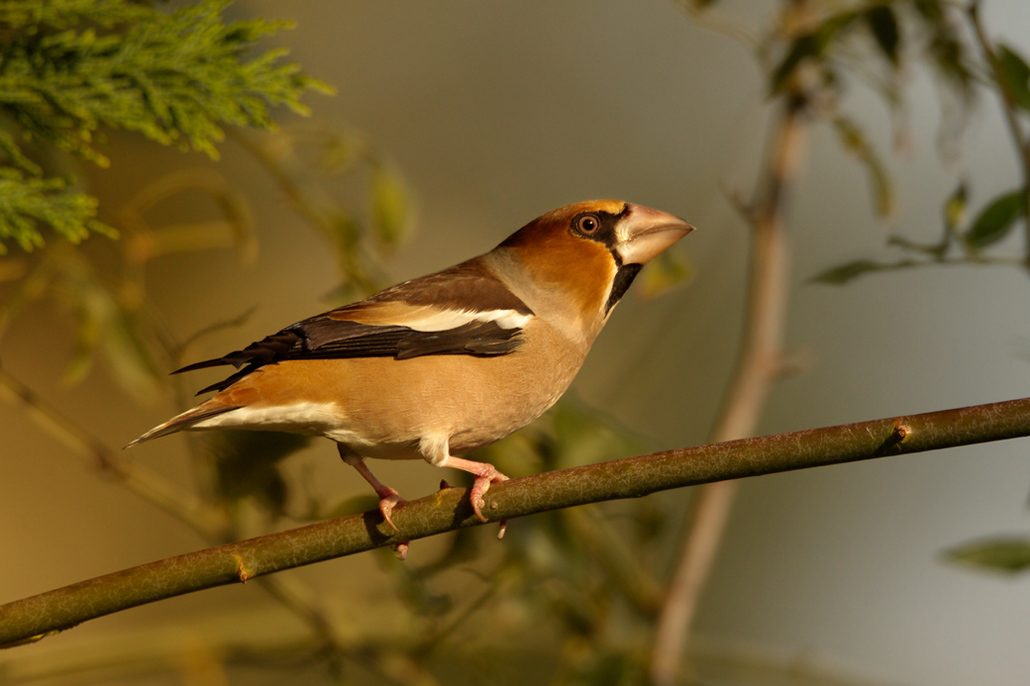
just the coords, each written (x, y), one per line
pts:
(71, 68)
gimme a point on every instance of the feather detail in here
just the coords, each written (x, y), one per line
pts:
(464, 310)
(184, 421)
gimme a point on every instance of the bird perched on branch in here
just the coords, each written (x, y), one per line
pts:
(448, 362)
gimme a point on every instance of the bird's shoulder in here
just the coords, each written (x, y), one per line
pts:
(467, 291)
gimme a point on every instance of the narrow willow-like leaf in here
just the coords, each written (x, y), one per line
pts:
(128, 357)
(1010, 554)
(391, 206)
(854, 141)
(931, 10)
(811, 45)
(884, 25)
(1016, 73)
(996, 220)
(955, 207)
(948, 55)
(247, 464)
(666, 271)
(847, 272)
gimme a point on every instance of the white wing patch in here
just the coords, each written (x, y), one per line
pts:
(434, 319)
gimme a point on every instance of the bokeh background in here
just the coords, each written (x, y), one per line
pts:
(495, 113)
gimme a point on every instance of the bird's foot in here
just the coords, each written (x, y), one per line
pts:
(484, 473)
(389, 499)
(486, 476)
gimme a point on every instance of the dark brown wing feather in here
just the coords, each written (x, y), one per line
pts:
(341, 333)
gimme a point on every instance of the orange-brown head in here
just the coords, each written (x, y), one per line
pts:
(591, 251)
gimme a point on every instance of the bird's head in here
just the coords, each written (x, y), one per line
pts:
(590, 252)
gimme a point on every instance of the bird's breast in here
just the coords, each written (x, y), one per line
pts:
(382, 407)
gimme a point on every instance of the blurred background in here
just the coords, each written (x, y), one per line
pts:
(484, 115)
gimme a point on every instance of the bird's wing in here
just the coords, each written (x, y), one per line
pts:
(464, 310)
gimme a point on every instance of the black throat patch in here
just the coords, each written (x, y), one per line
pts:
(623, 280)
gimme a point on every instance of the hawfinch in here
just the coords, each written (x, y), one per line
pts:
(449, 362)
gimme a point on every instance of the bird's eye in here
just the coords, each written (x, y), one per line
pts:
(588, 223)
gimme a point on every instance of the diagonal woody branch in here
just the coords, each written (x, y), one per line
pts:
(30, 618)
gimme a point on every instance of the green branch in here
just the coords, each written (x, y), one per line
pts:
(32, 618)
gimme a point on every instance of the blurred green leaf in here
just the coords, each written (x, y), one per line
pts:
(611, 666)
(996, 220)
(247, 464)
(666, 271)
(854, 141)
(930, 9)
(339, 153)
(365, 502)
(845, 273)
(131, 360)
(102, 325)
(948, 55)
(1016, 73)
(812, 45)
(1008, 555)
(884, 25)
(150, 234)
(88, 331)
(462, 548)
(955, 207)
(587, 435)
(391, 206)
(416, 592)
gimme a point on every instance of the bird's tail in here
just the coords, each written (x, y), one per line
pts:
(184, 421)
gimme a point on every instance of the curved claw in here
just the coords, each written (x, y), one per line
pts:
(481, 486)
(389, 499)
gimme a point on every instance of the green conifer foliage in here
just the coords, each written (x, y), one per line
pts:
(71, 68)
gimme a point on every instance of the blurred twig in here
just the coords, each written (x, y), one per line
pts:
(448, 509)
(126, 303)
(622, 568)
(359, 267)
(759, 363)
(206, 519)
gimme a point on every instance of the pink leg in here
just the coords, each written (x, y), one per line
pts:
(435, 448)
(388, 497)
(485, 474)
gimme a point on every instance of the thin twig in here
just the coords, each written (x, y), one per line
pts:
(623, 570)
(335, 225)
(208, 520)
(203, 518)
(32, 618)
